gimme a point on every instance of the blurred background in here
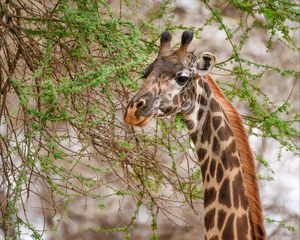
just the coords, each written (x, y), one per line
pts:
(71, 169)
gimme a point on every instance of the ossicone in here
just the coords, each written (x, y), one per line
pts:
(186, 39)
(165, 43)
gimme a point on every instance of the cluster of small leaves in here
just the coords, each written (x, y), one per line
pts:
(282, 224)
(278, 19)
(76, 79)
(273, 17)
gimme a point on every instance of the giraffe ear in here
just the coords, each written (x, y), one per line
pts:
(205, 63)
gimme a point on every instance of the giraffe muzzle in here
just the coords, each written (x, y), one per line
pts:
(135, 114)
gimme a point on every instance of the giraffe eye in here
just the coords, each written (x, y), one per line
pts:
(181, 80)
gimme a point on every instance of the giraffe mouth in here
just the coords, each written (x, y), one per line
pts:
(137, 122)
(143, 122)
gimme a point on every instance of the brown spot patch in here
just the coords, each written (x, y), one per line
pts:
(224, 133)
(203, 101)
(221, 218)
(220, 173)
(201, 153)
(206, 129)
(224, 159)
(216, 120)
(234, 162)
(239, 193)
(212, 167)
(224, 194)
(216, 146)
(242, 227)
(227, 126)
(209, 219)
(168, 110)
(194, 136)
(200, 83)
(204, 167)
(228, 230)
(231, 149)
(207, 89)
(200, 114)
(214, 105)
(176, 100)
(209, 196)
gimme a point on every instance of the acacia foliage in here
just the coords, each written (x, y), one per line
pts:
(67, 70)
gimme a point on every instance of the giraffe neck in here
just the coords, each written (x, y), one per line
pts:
(226, 207)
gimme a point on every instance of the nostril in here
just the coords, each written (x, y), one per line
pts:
(140, 103)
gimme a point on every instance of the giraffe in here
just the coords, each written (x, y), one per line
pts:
(178, 81)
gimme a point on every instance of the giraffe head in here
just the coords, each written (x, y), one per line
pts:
(169, 86)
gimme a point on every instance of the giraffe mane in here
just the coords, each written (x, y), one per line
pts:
(247, 160)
